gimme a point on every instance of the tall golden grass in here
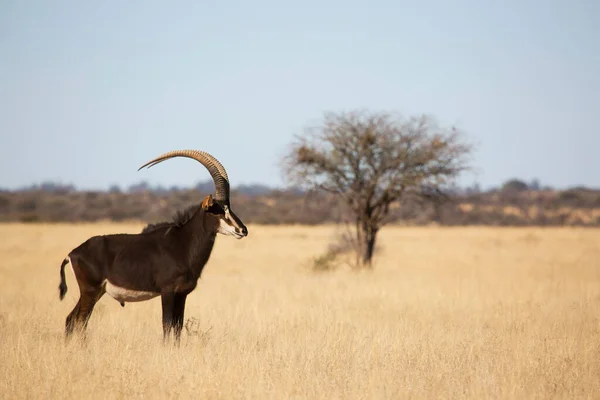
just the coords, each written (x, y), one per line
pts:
(446, 313)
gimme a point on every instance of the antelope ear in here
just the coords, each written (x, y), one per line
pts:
(207, 202)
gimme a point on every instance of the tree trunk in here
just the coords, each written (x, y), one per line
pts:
(359, 243)
(368, 235)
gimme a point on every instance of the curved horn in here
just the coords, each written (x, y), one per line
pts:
(214, 167)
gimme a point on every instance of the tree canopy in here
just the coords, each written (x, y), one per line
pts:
(374, 159)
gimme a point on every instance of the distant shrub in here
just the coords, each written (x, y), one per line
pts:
(514, 185)
(30, 217)
(325, 262)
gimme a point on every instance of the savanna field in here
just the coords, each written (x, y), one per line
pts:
(445, 313)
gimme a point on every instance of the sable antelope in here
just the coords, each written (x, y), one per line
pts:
(163, 260)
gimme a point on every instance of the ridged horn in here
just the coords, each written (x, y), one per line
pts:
(214, 167)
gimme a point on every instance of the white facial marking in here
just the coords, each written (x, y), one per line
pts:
(225, 228)
(121, 294)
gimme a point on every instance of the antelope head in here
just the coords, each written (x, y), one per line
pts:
(219, 205)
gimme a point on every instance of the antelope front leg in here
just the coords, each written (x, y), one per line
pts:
(168, 300)
(178, 311)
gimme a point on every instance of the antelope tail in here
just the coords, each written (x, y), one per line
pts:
(62, 288)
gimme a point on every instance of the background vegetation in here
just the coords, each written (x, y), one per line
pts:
(514, 203)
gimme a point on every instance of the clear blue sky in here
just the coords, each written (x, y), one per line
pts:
(89, 91)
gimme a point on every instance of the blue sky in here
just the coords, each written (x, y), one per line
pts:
(89, 91)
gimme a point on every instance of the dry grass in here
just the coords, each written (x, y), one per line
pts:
(447, 313)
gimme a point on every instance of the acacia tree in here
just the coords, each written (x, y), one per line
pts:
(372, 160)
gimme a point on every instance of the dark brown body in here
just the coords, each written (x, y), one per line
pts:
(164, 260)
